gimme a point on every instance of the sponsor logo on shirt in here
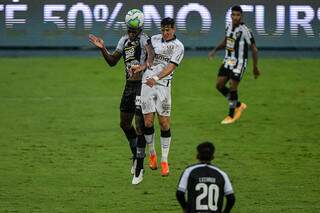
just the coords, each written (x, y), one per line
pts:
(162, 58)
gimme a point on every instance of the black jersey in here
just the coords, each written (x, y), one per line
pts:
(133, 52)
(206, 186)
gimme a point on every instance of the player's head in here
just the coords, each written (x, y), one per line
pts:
(168, 28)
(133, 32)
(205, 152)
(134, 21)
(236, 15)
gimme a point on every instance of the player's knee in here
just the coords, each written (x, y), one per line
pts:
(234, 85)
(140, 127)
(219, 86)
(165, 125)
(125, 125)
(139, 130)
(148, 123)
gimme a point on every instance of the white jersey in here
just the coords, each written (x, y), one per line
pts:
(166, 52)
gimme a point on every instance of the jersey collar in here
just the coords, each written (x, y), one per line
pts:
(174, 38)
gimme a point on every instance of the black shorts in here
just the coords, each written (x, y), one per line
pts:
(234, 74)
(128, 100)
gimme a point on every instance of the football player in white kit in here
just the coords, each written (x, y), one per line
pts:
(156, 90)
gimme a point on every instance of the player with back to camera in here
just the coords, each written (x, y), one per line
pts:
(204, 185)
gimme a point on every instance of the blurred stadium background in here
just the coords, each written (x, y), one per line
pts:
(61, 146)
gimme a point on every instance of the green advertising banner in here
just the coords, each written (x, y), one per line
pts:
(57, 23)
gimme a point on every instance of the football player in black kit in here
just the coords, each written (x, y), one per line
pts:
(205, 185)
(135, 48)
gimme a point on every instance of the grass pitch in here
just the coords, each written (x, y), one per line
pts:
(62, 149)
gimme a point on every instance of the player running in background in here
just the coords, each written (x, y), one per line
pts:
(156, 90)
(205, 185)
(236, 42)
(134, 47)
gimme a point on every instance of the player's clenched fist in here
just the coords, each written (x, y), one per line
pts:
(137, 68)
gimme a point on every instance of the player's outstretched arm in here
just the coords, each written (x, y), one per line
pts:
(256, 71)
(230, 202)
(111, 59)
(166, 71)
(221, 46)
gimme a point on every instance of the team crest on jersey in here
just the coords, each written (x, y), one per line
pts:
(170, 49)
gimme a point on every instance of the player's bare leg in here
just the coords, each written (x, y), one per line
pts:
(150, 138)
(225, 91)
(221, 86)
(233, 102)
(238, 106)
(130, 132)
(165, 139)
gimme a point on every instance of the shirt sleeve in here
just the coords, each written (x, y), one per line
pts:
(120, 45)
(177, 54)
(248, 36)
(227, 185)
(145, 40)
(183, 182)
(226, 28)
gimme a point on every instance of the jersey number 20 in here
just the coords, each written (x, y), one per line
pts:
(212, 192)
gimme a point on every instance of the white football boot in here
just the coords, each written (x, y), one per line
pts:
(137, 180)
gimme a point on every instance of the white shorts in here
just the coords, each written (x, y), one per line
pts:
(156, 99)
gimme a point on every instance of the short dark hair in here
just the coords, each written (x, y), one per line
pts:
(205, 151)
(236, 8)
(167, 21)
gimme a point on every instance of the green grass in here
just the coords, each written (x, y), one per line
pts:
(61, 148)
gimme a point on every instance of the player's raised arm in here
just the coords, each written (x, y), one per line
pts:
(111, 59)
(256, 71)
(221, 46)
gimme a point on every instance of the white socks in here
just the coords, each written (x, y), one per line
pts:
(150, 142)
(165, 146)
